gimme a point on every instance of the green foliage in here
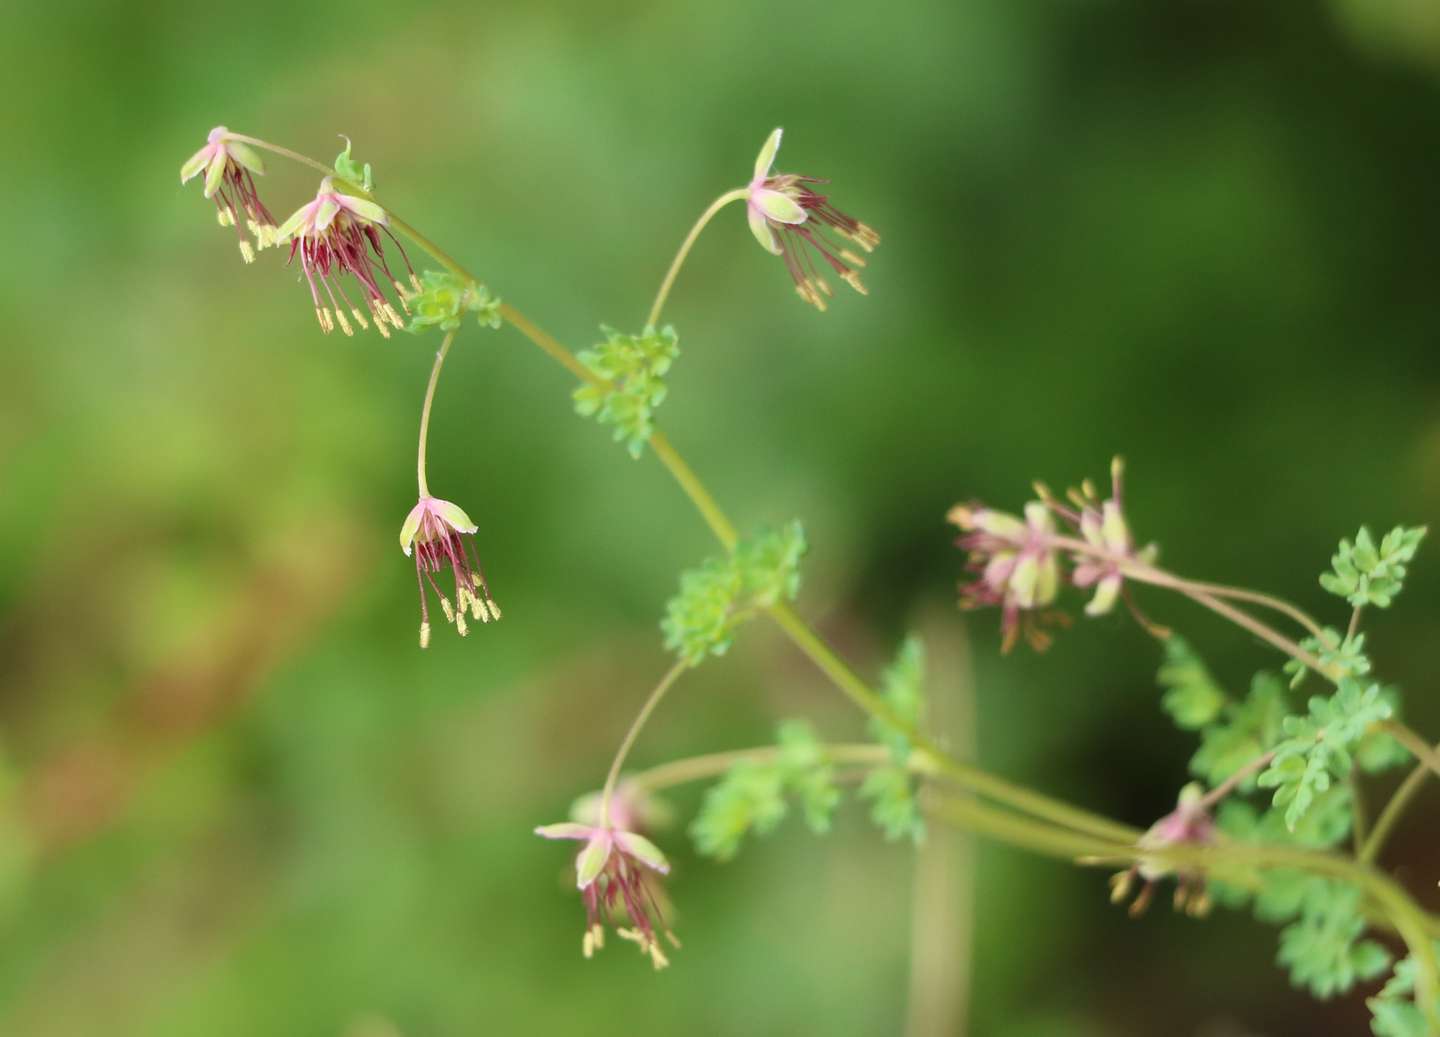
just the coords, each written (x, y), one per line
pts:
(752, 796)
(1394, 1009)
(351, 170)
(1346, 656)
(1192, 698)
(890, 790)
(444, 299)
(716, 597)
(1323, 949)
(1366, 574)
(632, 373)
(1319, 746)
(893, 805)
(1246, 729)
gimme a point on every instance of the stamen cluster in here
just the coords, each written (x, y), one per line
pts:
(441, 537)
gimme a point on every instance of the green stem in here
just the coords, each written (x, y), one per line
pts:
(671, 675)
(679, 260)
(711, 765)
(1392, 812)
(1417, 746)
(931, 756)
(425, 411)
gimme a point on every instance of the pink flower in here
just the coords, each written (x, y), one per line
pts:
(791, 220)
(615, 869)
(1189, 824)
(338, 234)
(441, 536)
(230, 167)
(1103, 527)
(1017, 563)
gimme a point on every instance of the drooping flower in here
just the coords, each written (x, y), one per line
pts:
(615, 871)
(230, 167)
(441, 536)
(790, 219)
(1017, 563)
(632, 809)
(1189, 824)
(1103, 527)
(337, 234)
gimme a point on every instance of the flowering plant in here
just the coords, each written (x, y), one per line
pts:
(1272, 818)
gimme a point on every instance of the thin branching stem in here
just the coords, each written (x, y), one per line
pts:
(425, 411)
(685, 246)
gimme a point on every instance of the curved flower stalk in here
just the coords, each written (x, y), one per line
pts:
(230, 167)
(336, 234)
(791, 220)
(441, 537)
(615, 871)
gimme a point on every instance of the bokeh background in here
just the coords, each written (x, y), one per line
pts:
(239, 801)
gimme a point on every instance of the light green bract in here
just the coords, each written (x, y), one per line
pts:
(1192, 698)
(632, 371)
(444, 299)
(1368, 574)
(351, 170)
(720, 594)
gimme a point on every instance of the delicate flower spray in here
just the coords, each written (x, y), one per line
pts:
(1301, 852)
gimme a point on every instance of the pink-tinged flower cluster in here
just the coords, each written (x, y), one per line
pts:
(616, 871)
(1101, 524)
(1017, 566)
(1023, 562)
(340, 234)
(230, 167)
(1189, 824)
(441, 536)
(791, 220)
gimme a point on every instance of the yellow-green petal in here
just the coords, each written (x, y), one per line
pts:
(766, 158)
(215, 173)
(454, 516)
(411, 527)
(779, 207)
(194, 164)
(365, 210)
(246, 156)
(643, 850)
(289, 227)
(760, 227)
(591, 861)
(325, 211)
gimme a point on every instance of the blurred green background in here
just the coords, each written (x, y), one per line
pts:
(240, 801)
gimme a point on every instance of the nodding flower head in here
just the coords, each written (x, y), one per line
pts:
(1189, 824)
(1017, 563)
(230, 167)
(790, 219)
(632, 809)
(338, 234)
(1102, 526)
(440, 535)
(616, 871)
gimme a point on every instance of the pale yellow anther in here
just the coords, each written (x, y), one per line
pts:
(247, 253)
(851, 258)
(322, 318)
(822, 284)
(344, 322)
(424, 635)
(852, 278)
(403, 295)
(446, 608)
(359, 318)
(460, 625)
(415, 284)
(394, 317)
